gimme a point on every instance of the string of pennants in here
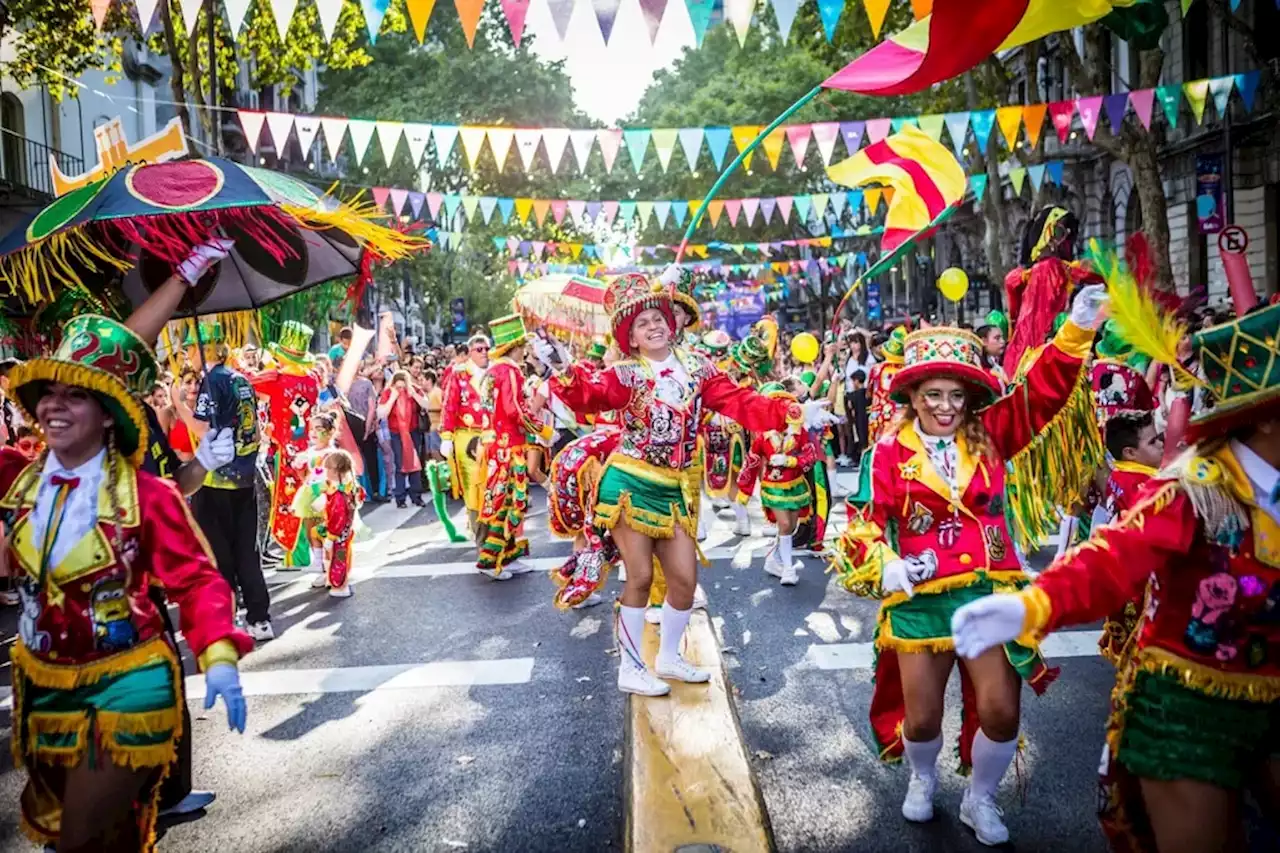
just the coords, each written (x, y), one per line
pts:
(548, 249)
(739, 13)
(715, 268)
(745, 212)
(1015, 123)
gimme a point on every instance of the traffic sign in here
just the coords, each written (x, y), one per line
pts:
(1233, 240)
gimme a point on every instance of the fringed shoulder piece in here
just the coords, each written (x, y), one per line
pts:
(1209, 481)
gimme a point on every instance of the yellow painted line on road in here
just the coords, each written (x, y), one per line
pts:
(690, 781)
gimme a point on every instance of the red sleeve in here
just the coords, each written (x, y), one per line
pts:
(589, 392)
(751, 467)
(12, 464)
(262, 382)
(337, 515)
(1112, 567)
(448, 403)
(808, 455)
(511, 394)
(1016, 418)
(181, 560)
(755, 412)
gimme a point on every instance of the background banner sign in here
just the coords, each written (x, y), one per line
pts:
(1210, 204)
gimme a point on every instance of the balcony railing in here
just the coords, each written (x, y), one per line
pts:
(24, 165)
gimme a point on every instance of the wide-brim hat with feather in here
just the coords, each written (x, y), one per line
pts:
(102, 356)
(680, 280)
(943, 352)
(629, 296)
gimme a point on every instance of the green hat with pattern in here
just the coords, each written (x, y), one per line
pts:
(507, 332)
(892, 348)
(210, 333)
(102, 356)
(597, 350)
(752, 355)
(294, 346)
(1241, 368)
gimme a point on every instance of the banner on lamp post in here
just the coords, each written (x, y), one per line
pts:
(1210, 201)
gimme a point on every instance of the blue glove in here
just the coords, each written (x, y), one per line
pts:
(222, 679)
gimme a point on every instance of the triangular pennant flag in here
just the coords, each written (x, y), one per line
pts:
(334, 130)
(252, 123)
(772, 146)
(978, 183)
(872, 196)
(1220, 88)
(419, 15)
(626, 210)
(1062, 113)
(749, 208)
(1197, 92)
(664, 142)
(714, 209)
(743, 135)
(398, 198)
(191, 14)
(819, 205)
(1036, 173)
(803, 205)
(577, 209)
(524, 206)
(452, 201)
(236, 12)
(561, 12)
(606, 14)
(932, 126)
(645, 210)
(1054, 170)
(1247, 86)
(582, 140)
(469, 205)
(506, 209)
(416, 137)
(361, 135)
(1010, 120)
(527, 139)
(680, 210)
(1116, 106)
(982, 122)
(738, 13)
(610, 139)
(380, 196)
(554, 139)
(472, 143)
(718, 143)
(897, 123)
(1143, 101)
(282, 11)
(146, 13)
(877, 129)
(279, 125)
(825, 135)
(785, 12)
(306, 127)
(958, 128)
(839, 201)
(487, 204)
(829, 11)
(1090, 109)
(876, 10)
(851, 132)
(661, 209)
(798, 135)
(329, 12)
(500, 139)
(389, 133)
(637, 139)
(558, 209)
(767, 205)
(515, 11)
(539, 247)
(652, 11)
(784, 207)
(374, 12)
(700, 17)
(540, 208)
(610, 210)
(733, 207)
(1017, 177)
(691, 142)
(416, 200)
(469, 14)
(434, 200)
(1033, 120)
(1170, 98)
(445, 135)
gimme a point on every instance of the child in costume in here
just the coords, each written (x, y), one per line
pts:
(934, 535)
(339, 520)
(882, 410)
(311, 461)
(462, 421)
(1195, 713)
(648, 492)
(779, 461)
(95, 679)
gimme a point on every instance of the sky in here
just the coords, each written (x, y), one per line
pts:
(608, 82)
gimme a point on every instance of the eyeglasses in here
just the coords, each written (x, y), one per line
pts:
(479, 349)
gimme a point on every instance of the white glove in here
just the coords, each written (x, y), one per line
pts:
(446, 449)
(670, 275)
(894, 578)
(1086, 308)
(217, 448)
(779, 460)
(550, 354)
(202, 257)
(988, 622)
(816, 415)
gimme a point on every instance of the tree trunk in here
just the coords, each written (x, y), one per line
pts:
(197, 84)
(177, 83)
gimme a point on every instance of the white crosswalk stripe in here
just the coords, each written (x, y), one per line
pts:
(1066, 644)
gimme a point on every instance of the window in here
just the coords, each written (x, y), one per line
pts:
(12, 150)
(1195, 42)
(1266, 19)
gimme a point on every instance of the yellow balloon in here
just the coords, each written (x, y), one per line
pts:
(804, 348)
(953, 283)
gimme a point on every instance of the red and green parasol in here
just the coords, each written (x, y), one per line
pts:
(570, 305)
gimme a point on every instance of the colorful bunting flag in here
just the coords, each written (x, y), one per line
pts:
(958, 128)
(1220, 88)
(637, 140)
(389, 133)
(872, 196)
(829, 11)
(785, 12)
(469, 15)
(561, 13)
(932, 126)
(252, 123)
(1143, 101)
(500, 139)
(515, 11)
(798, 135)
(851, 133)
(1116, 106)
(1170, 98)
(652, 11)
(554, 139)
(606, 15)
(419, 15)
(1090, 109)
(718, 143)
(742, 137)
(1247, 86)
(398, 199)
(1197, 92)
(1010, 121)
(664, 143)
(691, 142)
(1036, 173)
(444, 135)
(877, 129)
(700, 16)
(361, 131)
(472, 142)
(738, 13)
(978, 183)
(982, 122)
(1017, 177)
(416, 137)
(1033, 120)
(1054, 171)
(610, 139)
(374, 12)
(1062, 113)
(772, 146)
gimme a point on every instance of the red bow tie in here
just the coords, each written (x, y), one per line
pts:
(70, 482)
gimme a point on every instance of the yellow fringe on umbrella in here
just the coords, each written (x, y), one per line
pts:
(356, 219)
(59, 260)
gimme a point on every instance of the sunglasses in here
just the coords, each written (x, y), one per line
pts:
(479, 349)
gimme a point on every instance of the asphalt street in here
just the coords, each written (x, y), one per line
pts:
(438, 710)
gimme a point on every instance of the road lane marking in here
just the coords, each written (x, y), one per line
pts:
(1066, 644)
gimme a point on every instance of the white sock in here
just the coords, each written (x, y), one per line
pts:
(630, 630)
(922, 755)
(673, 625)
(739, 511)
(784, 549)
(990, 760)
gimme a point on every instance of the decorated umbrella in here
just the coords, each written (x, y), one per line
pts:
(570, 305)
(137, 224)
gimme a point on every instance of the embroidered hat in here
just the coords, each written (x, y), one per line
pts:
(943, 351)
(101, 355)
(597, 350)
(717, 343)
(508, 333)
(209, 333)
(627, 297)
(680, 279)
(294, 345)
(1242, 371)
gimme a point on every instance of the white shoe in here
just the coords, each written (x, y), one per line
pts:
(719, 506)
(495, 575)
(769, 531)
(742, 526)
(773, 563)
(653, 615)
(261, 631)
(340, 591)
(917, 806)
(699, 598)
(680, 669)
(842, 459)
(641, 682)
(518, 567)
(982, 815)
(320, 581)
(590, 601)
(789, 576)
